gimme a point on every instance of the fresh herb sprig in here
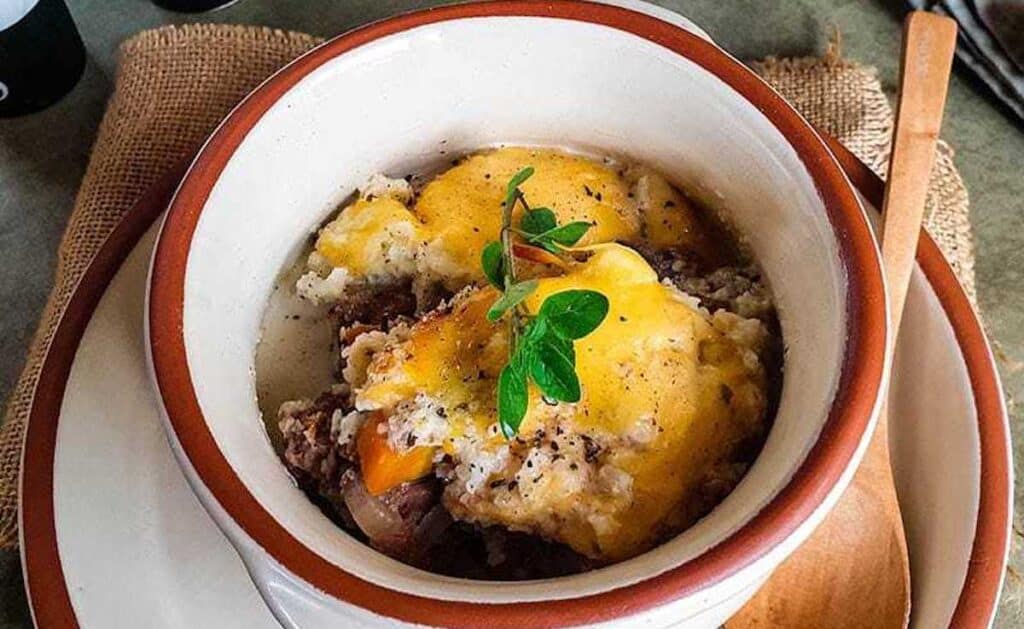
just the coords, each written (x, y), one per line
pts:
(540, 345)
(541, 228)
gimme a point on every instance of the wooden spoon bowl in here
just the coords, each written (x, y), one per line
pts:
(854, 570)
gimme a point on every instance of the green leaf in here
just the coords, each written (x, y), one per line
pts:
(563, 345)
(554, 371)
(538, 220)
(566, 235)
(537, 332)
(574, 314)
(513, 398)
(491, 261)
(513, 295)
(569, 234)
(547, 245)
(535, 329)
(514, 183)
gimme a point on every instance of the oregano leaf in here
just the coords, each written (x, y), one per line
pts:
(513, 184)
(563, 345)
(492, 261)
(538, 220)
(570, 233)
(575, 313)
(554, 372)
(513, 294)
(542, 345)
(513, 398)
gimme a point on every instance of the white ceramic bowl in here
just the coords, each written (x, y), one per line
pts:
(392, 96)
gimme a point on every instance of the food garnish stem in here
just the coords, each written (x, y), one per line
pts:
(540, 346)
(515, 321)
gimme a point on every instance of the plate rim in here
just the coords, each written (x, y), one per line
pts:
(47, 592)
(976, 605)
(42, 572)
(843, 435)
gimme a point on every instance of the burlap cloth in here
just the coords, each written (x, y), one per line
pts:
(175, 83)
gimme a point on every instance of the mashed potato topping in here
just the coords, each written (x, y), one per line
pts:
(389, 233)
(669, 394)
(672, 346)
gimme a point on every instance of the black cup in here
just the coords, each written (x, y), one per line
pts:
(41, 57)
(192, 6)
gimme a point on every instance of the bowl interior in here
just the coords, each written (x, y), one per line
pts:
(407, 99)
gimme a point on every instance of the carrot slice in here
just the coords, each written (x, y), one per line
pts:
(382, 467)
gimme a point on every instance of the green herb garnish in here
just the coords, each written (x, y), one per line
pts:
(540, 227)
(540, 345)
(491, 260)
(538, 221)
(513, 296)
(573, 314)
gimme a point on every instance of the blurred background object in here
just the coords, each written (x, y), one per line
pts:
(991, 43)
(41, 55)
(43, 158)
(192, 6)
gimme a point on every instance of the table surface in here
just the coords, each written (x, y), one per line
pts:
(43, 157)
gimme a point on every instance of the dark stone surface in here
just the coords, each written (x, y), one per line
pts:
(43, 157)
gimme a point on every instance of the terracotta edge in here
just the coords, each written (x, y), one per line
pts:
(44, 579)
(858, 388)
(49, 600)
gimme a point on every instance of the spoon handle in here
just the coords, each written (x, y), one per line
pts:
(854, 571)
(929, 41)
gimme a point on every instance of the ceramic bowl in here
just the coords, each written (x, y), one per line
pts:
(394, 95)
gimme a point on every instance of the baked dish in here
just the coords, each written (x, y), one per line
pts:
(545, 363)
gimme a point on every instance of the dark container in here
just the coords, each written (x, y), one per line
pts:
(192, 6)
(41, 57)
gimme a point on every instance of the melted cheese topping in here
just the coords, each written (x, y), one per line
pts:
(669, 219)
(464, 204)
(669, 394)
(441, 234)
(373, 237)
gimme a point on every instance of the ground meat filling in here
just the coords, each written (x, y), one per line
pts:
(311, 453)
(671, 264)
(410, 522)
(374, 304)
(737, 289)
(406, 522)
(382, 305)
(319, 453)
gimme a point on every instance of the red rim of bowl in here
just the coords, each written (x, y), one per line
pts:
(836, 446)
(44, 577)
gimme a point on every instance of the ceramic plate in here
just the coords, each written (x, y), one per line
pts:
(112, 536)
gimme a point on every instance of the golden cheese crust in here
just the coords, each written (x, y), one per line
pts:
(387, 234)
(670, 394)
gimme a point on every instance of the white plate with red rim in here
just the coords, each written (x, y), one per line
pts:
(112, 535)
(150, 555)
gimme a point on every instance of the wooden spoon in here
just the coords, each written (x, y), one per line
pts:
(854, 571)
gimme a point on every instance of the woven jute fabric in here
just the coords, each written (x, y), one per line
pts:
(846, 100)
(175, 84)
